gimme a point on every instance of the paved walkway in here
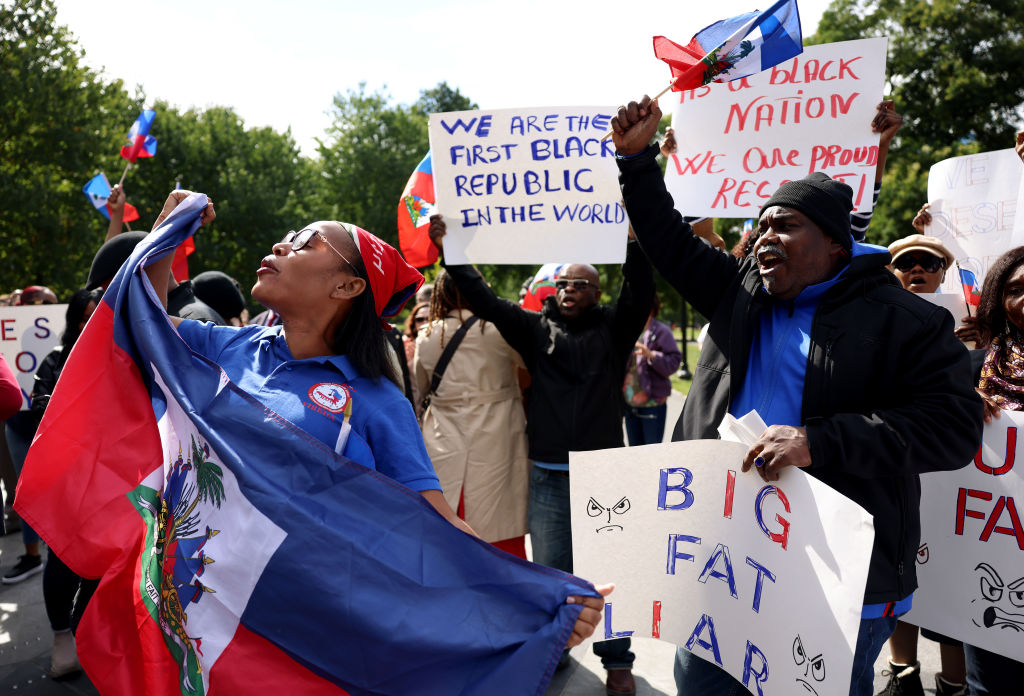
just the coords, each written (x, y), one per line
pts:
(26, 640)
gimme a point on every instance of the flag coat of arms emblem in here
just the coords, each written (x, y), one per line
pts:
(414, 211)
(238, 554)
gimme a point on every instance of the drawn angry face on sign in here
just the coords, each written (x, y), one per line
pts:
(1001, 604)
(813, 667)
(597, 510)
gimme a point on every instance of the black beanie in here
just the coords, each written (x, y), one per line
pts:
(220, 291)
(111, 257)
(825, 201)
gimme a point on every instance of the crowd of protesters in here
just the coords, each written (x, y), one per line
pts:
(498, 395)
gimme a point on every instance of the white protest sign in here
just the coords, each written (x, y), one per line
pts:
(27, 334)
(970, 566)
(528, 185)
(738, 141)
(953, 302)
(973, 201)
(765, 580)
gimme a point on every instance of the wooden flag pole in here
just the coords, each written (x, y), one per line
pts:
(656, 97)
(124, 173)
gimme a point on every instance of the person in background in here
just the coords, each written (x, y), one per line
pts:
(576, 351)
(20, 428)
(223, 293)
(60, 584)
(920, 264)
(647, 385)
(417, 319)
(1000, 321)
(473, 426)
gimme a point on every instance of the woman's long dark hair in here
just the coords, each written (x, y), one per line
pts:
(991, 315)
(445, 299)
(74, 316)
(361, 338)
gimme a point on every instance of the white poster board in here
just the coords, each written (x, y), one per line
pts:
(528, 185)
(953, 301)
(765, 580)
(738, 141)
(970, 565)
(27, 334)
(973, 202)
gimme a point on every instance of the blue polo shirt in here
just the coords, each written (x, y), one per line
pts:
(369, 422)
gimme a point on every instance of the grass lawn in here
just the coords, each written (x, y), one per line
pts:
(683, 385)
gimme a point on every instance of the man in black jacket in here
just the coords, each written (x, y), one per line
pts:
(863, 385)
(576, 351)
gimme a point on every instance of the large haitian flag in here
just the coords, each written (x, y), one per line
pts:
(240, 555)
(416, 206)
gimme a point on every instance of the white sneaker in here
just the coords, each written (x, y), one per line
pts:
(65, 658)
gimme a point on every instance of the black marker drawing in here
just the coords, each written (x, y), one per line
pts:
(999, 601)
(814, 667)
(922, 554)
(596, 509)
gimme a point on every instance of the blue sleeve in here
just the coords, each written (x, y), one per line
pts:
(394, 437)
(210, 340)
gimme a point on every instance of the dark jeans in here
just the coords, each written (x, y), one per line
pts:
(989, 674)
(59, 587)
(645, 426)
(551, 539)
(695, 676)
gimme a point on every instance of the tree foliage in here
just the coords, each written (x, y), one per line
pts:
(956, 72)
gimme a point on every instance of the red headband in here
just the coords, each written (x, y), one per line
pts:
(392, 280)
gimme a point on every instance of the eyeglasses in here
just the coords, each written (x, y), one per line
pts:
(577, 283)
(420, 320)
(927, 262)
(300, 240)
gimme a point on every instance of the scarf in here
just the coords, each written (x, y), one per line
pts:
(1002, 374)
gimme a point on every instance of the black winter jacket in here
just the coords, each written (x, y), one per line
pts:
(888, 392)
(575, 401)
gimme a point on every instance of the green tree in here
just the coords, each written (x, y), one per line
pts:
(955, 71)
(61, 123)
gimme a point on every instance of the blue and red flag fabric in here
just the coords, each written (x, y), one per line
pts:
(97, 190)
(972, 293)
(139, 142)
(238, 554)
(414, 210)
(733, 48)
(541, 287)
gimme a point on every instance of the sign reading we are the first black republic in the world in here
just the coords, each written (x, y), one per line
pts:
(528, 186)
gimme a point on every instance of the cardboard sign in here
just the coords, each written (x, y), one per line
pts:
(528, 186)
(973, 202)
(27, 334)
(767, 581)
(970, 566)
(740, 140)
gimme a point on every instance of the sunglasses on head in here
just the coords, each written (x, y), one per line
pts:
(577, 283)
(927, 262)
(300, 240)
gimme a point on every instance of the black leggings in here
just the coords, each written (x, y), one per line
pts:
(59, 587)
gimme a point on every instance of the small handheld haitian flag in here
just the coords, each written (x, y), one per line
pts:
(414, 211)
(239, 554)
(139, 142)
(972, 294)
(97, 190)
(733, 48)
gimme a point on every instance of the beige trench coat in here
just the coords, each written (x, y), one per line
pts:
(474, 428)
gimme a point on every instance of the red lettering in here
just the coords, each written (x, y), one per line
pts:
(737, 85)
(693, 165)
(741, 114)
(1015, 531)
(728, 184)
(824, 68)
(845, 67)
(778, 71)
(1008, 459)
(5, 330)
(656, 620)
(730, 491)
(840, 107)
(961, 507)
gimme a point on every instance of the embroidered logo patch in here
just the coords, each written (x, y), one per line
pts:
(330, 396)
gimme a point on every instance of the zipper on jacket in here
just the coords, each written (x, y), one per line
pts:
(902, 547)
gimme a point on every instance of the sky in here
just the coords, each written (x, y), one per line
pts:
(280, 63)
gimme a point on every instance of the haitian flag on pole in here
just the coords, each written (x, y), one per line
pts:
(97, 190)
(972, 293)
(414, 211)
(140, 142)
(733, 48)
(238, 554)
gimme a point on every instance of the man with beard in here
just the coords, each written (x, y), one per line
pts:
(575, 350)
(860, 382)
